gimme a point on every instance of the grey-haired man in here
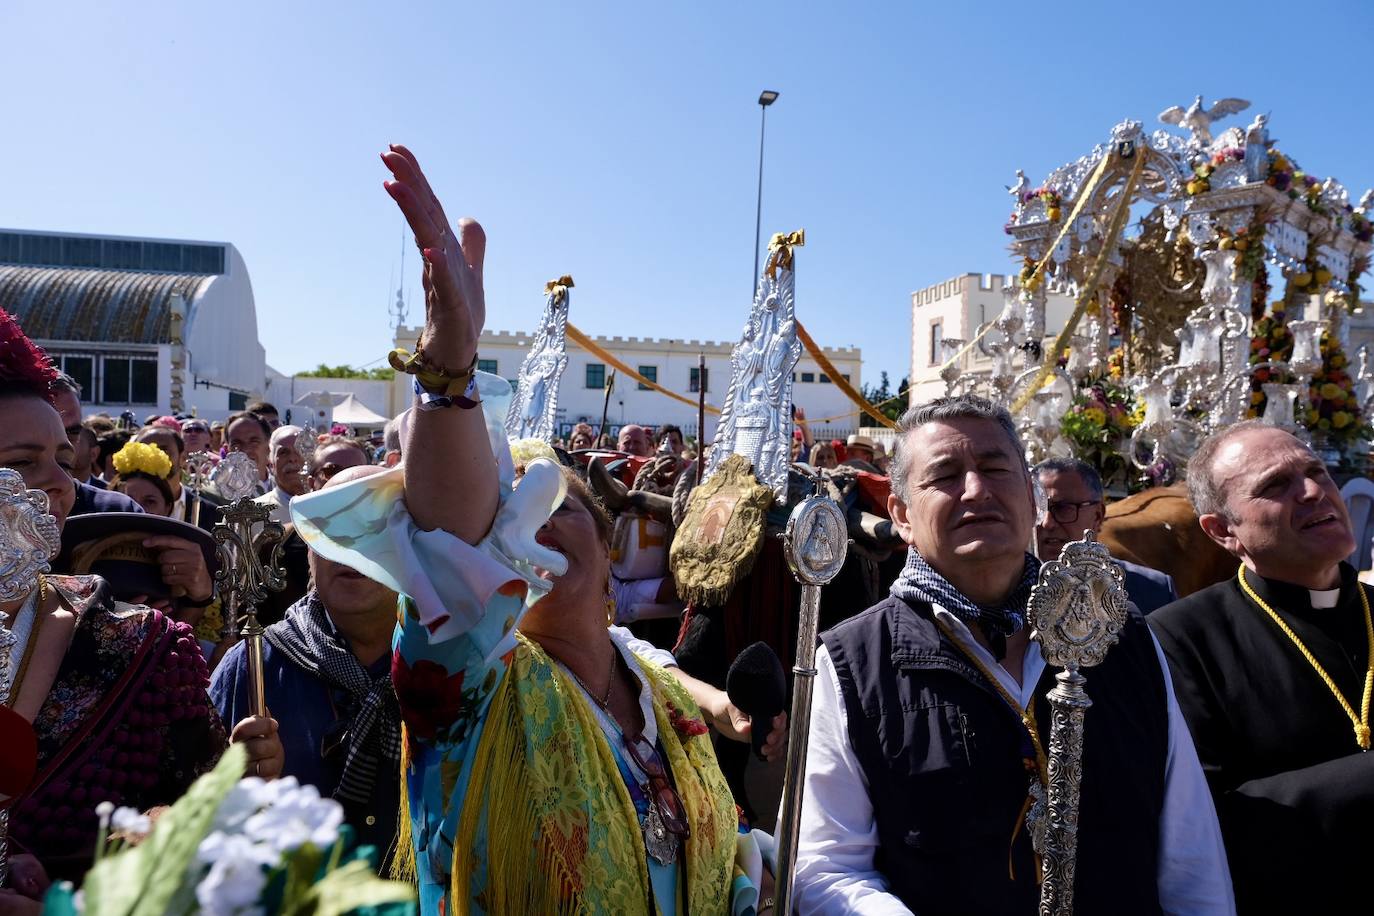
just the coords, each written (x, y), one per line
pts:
(920, 766)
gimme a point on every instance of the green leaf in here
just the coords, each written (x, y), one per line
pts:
(148, 879)
(352, 887)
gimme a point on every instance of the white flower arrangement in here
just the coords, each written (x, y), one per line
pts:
(230, 847)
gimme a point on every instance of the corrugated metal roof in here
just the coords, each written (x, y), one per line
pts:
(118, 306)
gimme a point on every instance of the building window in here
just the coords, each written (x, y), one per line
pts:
(698, 382)
(128, 380)
(825, 379)
(81, 368)
(596, 375)
(808, 376)
(650, 373)
(937, 339)
(487, 365)
(237, 401)
(845, 376)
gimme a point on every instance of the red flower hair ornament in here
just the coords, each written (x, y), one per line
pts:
(22, 364)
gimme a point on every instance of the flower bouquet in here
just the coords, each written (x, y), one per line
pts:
(1097, 424)
(231, 846)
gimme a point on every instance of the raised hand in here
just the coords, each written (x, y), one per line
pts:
(455, 305)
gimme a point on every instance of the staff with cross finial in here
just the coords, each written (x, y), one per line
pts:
(245, 531)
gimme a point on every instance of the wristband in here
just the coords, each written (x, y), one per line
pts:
(429, 400)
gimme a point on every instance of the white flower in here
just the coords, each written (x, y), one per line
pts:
(131, 821)
(103, 811)
(244, 799)
(218, 845)
(236, 878)
(297, 817)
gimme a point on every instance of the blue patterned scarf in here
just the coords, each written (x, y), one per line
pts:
(920, 582)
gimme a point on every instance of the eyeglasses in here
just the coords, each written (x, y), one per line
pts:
(664, 796)
(1067, 513)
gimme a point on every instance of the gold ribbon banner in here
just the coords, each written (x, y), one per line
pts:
(829, 369)
(780, 246)
(586, 343)
(1032, 281)
(1123, 210)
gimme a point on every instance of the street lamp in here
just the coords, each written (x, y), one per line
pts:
(766, 97)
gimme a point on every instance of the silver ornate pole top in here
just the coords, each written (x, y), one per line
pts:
(755, 420)
(816, 537)
(244, 577)
(236, 476)
(29, 536)
(199, 467)
(1078, 606)
(534, 407)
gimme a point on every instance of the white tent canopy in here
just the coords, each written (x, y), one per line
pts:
(352, 412)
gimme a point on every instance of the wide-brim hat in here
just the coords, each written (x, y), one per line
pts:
(858, 441)
(110, 545)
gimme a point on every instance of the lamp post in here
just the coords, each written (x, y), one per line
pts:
(766, 97)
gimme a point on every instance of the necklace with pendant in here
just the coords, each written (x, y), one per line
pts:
(659, 843)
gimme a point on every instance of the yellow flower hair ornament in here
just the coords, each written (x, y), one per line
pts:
(142, 458)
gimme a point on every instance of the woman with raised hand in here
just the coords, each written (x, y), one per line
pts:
(548, 767)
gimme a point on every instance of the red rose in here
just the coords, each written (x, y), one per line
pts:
(430, 697)
(685, 726)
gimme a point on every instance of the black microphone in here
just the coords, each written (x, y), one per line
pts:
(758, 686)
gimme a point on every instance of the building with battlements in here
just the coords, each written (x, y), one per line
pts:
(671, 364)
(152, 326)
(957, 309)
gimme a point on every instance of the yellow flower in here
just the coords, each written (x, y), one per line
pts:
(1311, 417)
(1330, 391)
(1096, 414)
(142, 458)
(1340, 419)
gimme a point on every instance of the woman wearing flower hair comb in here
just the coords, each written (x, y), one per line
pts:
(115, 694)
(548, 769)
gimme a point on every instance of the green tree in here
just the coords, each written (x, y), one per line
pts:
(323, 370)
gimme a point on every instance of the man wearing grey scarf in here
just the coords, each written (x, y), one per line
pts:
(929, 723)
(327, 675)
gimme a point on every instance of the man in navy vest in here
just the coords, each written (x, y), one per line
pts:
(1073, 504)
(919, 770)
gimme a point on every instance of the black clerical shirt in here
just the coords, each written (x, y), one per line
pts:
(1293, 790)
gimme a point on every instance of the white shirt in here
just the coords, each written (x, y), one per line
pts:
(835, 871)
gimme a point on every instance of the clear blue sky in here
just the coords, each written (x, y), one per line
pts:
(619, 142)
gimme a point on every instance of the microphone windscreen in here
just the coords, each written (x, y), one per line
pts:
(757, 684)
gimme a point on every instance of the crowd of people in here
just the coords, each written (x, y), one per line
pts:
(450, 660)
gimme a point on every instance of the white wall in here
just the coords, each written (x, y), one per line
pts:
(221, 339)
(283, 391)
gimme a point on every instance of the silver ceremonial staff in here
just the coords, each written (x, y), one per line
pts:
(1076, 610)
(246, 530)
(816, 542)
(198, 468)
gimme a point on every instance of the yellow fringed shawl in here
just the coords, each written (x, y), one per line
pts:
(548, 825)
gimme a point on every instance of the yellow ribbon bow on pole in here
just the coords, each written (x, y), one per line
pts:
(781, 245)
(559, 288)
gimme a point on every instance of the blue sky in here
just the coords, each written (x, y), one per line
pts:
(619, 142)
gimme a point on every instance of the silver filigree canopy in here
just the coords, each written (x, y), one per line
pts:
(29, 536)
(755, 421)
(1078, 606)
(236, 476)
(534, 407)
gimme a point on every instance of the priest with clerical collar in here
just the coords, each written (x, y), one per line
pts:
(921, 769)
(1273, 669)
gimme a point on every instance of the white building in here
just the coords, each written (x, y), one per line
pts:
(957, 309)
(671, 364)
(154, 326)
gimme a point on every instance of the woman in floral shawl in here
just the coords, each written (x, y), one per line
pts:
(115, 693)
(547, 769)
